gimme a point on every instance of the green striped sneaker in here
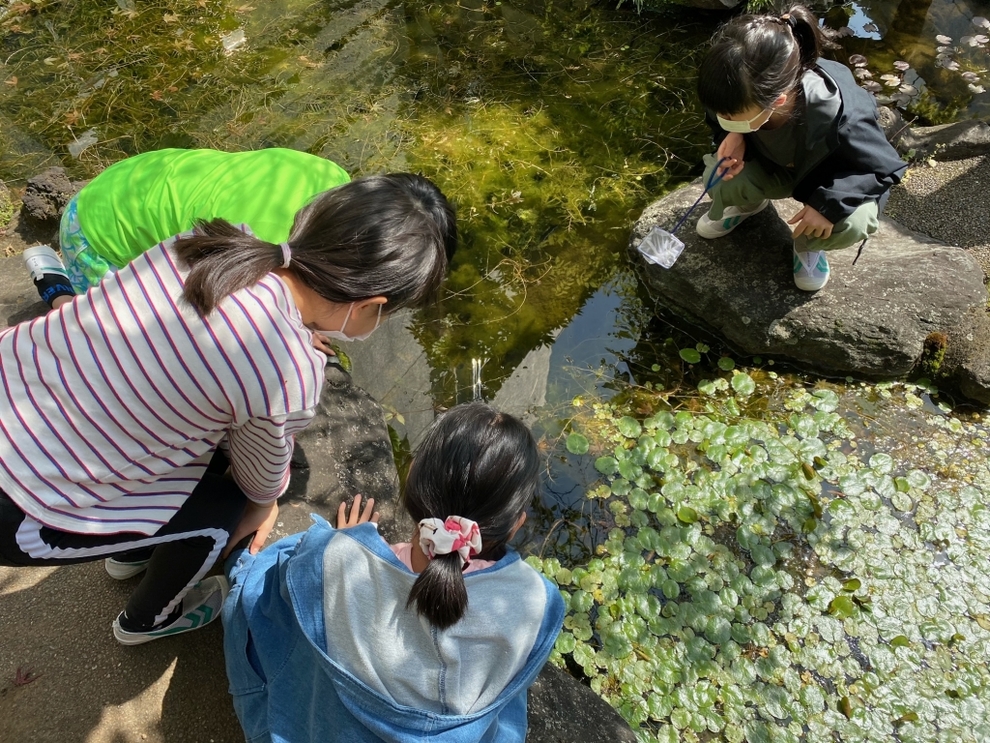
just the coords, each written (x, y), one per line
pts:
(199, 607)
(810, 270)
(732, 217)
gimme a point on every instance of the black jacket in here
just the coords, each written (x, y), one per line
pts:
(843, 158)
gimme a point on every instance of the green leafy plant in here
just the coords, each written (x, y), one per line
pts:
(773, 577)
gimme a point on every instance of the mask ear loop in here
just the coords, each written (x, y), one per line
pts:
(713, 180)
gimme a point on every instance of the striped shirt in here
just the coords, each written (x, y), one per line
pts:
(111, 406)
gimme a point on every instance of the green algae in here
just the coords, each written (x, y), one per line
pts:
(549, 125)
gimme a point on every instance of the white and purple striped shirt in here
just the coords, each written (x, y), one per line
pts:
(112, 405)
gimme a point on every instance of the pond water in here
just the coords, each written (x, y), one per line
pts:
(551, 125)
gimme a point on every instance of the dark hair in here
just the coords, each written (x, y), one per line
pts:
(755, 58)
(383, 235)
(480, 464)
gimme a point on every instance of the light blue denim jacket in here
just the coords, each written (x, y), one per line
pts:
(321, 647)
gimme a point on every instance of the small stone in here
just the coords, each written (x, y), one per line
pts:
(47, 194)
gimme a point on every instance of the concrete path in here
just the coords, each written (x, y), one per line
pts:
(63, 678)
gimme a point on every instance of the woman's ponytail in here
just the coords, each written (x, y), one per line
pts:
(382, 235)
(221, 260)
(439, 592)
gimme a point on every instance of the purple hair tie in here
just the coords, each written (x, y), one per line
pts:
(286, 254)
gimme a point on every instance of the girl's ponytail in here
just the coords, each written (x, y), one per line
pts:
(755, 58)
(221, 260)
(479, 464)
(439, 592)
(804, 26)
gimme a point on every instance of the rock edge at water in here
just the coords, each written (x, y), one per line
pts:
(871, 321)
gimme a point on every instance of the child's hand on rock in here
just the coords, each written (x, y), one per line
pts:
(810, 222)
(357, 516)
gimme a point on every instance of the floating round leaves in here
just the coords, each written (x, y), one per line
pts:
(793, 576)
(577, 444)
(690, 355)
(743, 384)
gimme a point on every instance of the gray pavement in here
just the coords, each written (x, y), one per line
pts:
(949, 201)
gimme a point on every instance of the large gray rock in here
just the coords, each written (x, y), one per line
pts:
(956, 141)
(871, 320)
(563, 710)
(392, 366)
(344, 451)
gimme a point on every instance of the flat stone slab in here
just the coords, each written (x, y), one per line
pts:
(871, 320)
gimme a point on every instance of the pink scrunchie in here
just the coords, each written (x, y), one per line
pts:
(455, 534)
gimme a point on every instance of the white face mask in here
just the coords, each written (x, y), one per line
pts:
(340, 335)
(745, 127)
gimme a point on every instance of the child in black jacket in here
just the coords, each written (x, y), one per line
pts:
(792, 124)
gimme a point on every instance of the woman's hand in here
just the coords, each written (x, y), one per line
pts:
(322, 343)
(259, 520)
(732, 147)
(357, 516)
(810, 222)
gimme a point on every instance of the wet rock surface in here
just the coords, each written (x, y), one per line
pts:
(343, 452)
(47, 194)
(562, 710)
(870, 321)
(957, 141)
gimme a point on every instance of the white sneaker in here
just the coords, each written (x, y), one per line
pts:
(41, 259)
(732, 217)
(121, 570)
(199, 607)
(810, 270)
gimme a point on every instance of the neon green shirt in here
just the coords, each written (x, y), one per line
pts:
(138, 202)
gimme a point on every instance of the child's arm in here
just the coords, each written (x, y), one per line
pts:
(260, 451)
(258, 519)
(728, 144)
(734, 148)
(863, 167)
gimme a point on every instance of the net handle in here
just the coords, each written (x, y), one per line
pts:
(713, 180)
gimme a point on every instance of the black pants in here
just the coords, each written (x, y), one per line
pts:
(180, 553)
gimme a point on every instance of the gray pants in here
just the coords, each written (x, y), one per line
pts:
(754, 183)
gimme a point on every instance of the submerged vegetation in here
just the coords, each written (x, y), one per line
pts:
(549, 125)
(801, 573)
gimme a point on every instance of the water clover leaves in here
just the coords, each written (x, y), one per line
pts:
(778, 577)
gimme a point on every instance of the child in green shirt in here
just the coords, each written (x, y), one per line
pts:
(143, 200)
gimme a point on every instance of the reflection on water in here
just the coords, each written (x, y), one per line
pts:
(550, 125)
(930, 46)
